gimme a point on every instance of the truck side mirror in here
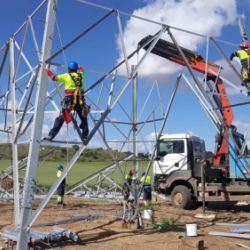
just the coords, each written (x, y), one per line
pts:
(162, 153)
(157, 158)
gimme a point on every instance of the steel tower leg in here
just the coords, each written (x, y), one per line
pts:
(31, 173)
(135, 149)
(14, 131)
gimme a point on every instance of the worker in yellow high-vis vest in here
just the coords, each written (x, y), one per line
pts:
(244, 55)
(128, 198)
(73, 99)
(147, 190)
(61, 187)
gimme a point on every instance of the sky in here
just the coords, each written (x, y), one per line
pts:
(101, 50)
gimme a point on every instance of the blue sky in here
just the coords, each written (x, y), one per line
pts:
(100, 50)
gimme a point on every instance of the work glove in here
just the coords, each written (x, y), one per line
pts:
(51, 74)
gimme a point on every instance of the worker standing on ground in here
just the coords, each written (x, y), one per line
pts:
(244, 55)
(147, 190)
(128, 197)
(73, 99)
(61, 187)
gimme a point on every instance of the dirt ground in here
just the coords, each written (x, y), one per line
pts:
(108, 232)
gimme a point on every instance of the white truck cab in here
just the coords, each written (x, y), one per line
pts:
(178, 152)
(177, 167)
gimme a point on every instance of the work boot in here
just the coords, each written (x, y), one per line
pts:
(247, 86)
(48, 138)
(85, 133)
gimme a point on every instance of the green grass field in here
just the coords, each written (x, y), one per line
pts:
(47, 171)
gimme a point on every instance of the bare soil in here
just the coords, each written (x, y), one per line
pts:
(108, 232)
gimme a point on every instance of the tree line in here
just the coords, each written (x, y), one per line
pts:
(63, 154)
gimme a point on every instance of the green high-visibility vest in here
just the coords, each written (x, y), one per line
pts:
(69, 84)
(243, 54)
(147, 180)
(59, 173)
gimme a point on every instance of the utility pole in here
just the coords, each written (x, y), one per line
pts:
(34, 148)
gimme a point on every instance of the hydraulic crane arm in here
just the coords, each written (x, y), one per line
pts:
(169, 51)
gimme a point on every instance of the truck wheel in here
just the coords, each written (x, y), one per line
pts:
(181, 197)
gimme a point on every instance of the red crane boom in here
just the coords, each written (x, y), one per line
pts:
(169, 51)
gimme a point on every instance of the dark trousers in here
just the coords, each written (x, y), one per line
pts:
(147, 193)
(61, 189)
(66, 103)
(61, 192)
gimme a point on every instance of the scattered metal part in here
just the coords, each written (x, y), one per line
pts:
(78, 217)
(99, 195)
(205, 216)
(242, 245)
(38, 237)
(86, 188)
(229, 224)
(227, 234)
(98, 214)
(244, 228)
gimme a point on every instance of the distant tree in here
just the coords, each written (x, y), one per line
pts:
(64, 151)
(143, 156)
(75, 147)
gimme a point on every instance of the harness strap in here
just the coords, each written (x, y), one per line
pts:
(77, 79)
(78, 92)
(70, 92)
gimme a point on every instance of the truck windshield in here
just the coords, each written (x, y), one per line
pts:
(170, 147)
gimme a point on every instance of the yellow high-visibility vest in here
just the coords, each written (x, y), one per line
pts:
(128, 177)
(242, 54)
(147, 181)
(69, 84)
(59, 173)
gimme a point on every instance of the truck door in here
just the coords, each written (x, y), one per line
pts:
(199, 154)
(172, 156)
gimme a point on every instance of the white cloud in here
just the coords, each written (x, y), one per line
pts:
(194, 15)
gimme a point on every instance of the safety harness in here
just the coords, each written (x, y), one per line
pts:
(77, 79)
(248, 61)
(78, 94)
